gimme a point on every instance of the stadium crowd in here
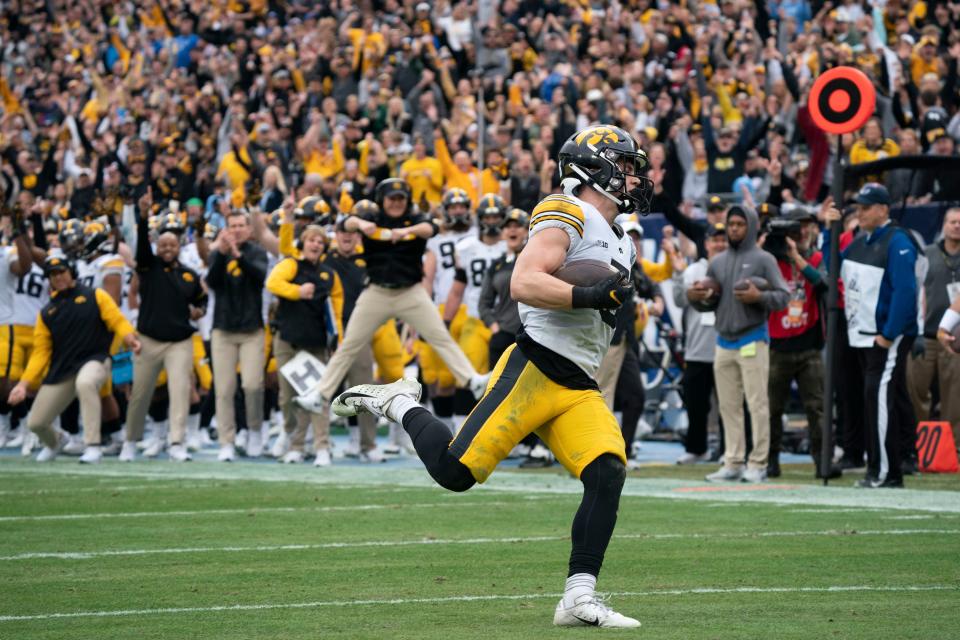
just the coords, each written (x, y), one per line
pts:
(217, 185)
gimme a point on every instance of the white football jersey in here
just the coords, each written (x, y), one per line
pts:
(91, 273)
(580, 335)
(8, 285)
(31, 296)
(475, 257)
(443, 245)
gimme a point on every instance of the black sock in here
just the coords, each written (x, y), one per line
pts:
(443, 406)
(593, 525)
(431, 438)
(463, 402)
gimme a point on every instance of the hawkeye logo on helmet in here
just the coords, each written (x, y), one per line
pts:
(596, 135)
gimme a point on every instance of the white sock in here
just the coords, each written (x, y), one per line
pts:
(399, 407)
(354, 432)
(193, 424)
(579, 587)
(4, 425)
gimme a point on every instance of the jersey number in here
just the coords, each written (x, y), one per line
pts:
(478, 267)
(87, 281)
(446, 254)
(34, 282)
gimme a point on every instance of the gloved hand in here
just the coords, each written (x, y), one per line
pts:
(606, 294)
(919, 348)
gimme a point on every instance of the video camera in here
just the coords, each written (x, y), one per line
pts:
(777, 231)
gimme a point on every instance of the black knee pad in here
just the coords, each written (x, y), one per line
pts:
(443, 406)
(452, 475)
(606, 474)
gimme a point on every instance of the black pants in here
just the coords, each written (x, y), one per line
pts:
(698, 391)
(887, 411)
(630, 396)
(848, 394)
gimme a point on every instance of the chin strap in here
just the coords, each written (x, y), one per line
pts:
(586, 179)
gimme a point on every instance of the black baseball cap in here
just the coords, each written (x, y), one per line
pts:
(717, 229)
(801, 214)
(873, 193)
(715, 202)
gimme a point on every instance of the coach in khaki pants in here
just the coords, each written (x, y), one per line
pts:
(171, 295)
(308, 319)
(395, 239)
(71, 343)
(742, 362)
(238, 268)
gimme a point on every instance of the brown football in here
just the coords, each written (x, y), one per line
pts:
(584, 273)
(712, 284)
(760, 283)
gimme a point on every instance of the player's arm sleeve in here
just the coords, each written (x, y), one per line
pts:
(280, 281)
(41, 355)
(657, 271)
(111, 315)
(559, 212)
(901, 261)
(287, 245)
(336, 301)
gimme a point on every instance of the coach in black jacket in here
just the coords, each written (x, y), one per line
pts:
(238, 269)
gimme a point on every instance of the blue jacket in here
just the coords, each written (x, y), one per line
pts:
(879, 274)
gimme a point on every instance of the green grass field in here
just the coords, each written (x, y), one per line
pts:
(158, 550)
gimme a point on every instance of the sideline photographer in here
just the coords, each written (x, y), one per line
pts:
(796, 332)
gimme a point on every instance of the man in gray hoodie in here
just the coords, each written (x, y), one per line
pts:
(751, 287)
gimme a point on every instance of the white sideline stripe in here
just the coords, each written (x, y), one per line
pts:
(106, 488)
(472, 598)
(87, 555)
(254, 510)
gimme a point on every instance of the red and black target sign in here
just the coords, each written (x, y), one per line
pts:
(842, 100)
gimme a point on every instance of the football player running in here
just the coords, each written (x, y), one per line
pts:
(566, 331)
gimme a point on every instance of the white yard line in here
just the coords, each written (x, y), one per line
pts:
(470, 598)
(88, 555)
(255, 510)
(838, 495)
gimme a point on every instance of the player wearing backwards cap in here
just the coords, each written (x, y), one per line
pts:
(72, 344)
(394, 241)
(473, 256)
(545, 382)
(439, 269)
(880, 289)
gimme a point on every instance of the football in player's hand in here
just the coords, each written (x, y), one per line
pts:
(759, 283)
(585, 273)
(712, 285)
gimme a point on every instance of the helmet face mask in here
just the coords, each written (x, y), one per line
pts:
(604, 157)
(490, 214)
(460, 218)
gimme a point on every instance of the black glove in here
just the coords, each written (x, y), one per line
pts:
(919, 348)
(607, 294)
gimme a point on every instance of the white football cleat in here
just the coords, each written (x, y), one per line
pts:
(374, 398)
(254, 443)
(280, 446)
(292, 457)
(693, 458)
(179, 453)
(128, 453)
(754, 476)
(372, 456)
(30, 442)
(48, 454)
(74, 446)
(592, 612)
(323, 458)
(725, 474)
(228, 453)
(91, 455)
